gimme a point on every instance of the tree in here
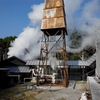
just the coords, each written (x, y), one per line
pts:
(2, 44)
(7, 40)
(76, 39)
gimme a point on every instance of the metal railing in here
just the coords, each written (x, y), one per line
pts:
(87, 74)
(26, 79)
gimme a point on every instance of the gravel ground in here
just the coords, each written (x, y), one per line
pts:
(62, 94)
(68, 94)
(81, 87)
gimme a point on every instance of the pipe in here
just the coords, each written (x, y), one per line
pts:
(26, 79)
(33, 71)
(15, 76)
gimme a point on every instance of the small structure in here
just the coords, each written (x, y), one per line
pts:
(13, 71)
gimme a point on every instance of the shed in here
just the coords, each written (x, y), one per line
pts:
(13, 71)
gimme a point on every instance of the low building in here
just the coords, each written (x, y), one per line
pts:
(77, 69)
(13, 71)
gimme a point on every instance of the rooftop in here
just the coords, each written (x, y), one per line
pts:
(88, 62)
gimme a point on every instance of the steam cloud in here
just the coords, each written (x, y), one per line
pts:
(87, 22)
(26, 46)
(82, 15)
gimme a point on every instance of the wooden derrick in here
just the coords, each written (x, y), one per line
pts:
(54, 31)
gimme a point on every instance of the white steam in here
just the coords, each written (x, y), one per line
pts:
(87, 20)
(26, 46)
(36, 16)
(83, 15)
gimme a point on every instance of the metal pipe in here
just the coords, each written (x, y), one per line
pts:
(15, 76)
(26, 79)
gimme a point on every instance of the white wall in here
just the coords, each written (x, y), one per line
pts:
(98, 60)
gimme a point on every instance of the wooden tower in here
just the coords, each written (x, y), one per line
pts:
(53, 41)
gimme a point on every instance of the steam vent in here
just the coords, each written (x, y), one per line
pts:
(53, 45)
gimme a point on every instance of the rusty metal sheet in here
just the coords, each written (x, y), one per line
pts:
(53, 23)
(53, 4)
(44, 24)
(53, 13)
(60, 22)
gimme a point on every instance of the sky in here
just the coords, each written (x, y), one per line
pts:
(22, 18)
(14, 16)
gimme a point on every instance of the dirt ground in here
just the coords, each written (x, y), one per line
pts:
(29, 92)
(64, 93)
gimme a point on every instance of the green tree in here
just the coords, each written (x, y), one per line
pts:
(7, 40)
(2, 43)
(75, 38)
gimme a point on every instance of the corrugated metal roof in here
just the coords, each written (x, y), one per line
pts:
(77, 63)
(19, 69)
(69, 62)
(38, 62)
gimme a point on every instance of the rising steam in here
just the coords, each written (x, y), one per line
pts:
(82, 15)
(86, 22)
(27, 45)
